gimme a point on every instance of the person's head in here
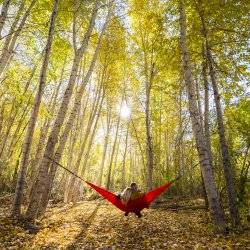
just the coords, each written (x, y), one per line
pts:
(133, 186)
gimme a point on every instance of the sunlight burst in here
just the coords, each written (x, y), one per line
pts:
(125, 111)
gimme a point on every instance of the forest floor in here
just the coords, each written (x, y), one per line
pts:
(99, 225)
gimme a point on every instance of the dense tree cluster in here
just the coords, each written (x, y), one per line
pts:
(121, 91)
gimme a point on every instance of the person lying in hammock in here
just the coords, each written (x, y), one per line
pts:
(129, 194)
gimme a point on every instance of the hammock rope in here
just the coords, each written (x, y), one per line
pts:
(135, 205)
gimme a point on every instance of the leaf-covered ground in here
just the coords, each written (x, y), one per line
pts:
(98, 225)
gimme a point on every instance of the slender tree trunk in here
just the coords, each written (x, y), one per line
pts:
(104, 153)
(44, 134)
(207, 172)
(149, 142)
(16, 135)
(3, 15)
(9, 125)
(197, 88)
(75, 188)
(14, 178)
(87, 154)
(39, 151)
(123, 182)
(139, 143)
(131, 164)
(30, 131)
(69, 192)
(113, 150)
(178, 145)
(244, 176)
(18, 138)
(206, 122)
(8, 50)
(52, 172)
(68, 178)
(234, 213)
(206, 110)
(112, 182)
(2, 118)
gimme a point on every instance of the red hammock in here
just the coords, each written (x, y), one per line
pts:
(135, 205)
(132, 206)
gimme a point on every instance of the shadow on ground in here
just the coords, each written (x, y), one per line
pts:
(85, 224)
(94, 225)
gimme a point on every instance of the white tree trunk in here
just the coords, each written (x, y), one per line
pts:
(3, 15)
(206, 110)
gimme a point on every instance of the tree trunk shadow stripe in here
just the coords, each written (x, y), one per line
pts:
(87, 223)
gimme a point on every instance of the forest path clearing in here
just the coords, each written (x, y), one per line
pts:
(98, 225)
